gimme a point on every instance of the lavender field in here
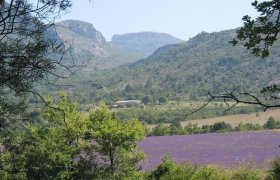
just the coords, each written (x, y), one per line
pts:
(223, 149)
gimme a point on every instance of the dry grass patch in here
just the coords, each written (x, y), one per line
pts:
(254, 118)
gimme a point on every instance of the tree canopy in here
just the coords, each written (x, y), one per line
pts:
(260, 33)
(29, 53)
(73, 145)
(257, 35)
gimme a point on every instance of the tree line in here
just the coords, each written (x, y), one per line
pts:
(175, 128)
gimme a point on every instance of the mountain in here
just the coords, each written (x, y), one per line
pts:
(88, 45)
(143, 43)
(188, 70)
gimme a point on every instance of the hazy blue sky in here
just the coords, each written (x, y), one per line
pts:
(180, 18)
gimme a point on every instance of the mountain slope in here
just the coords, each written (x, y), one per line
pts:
(189, 70)
(88, 45)
(143, 43)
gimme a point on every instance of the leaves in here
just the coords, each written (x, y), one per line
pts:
(73, 145)
(261, 33)
(116, 140)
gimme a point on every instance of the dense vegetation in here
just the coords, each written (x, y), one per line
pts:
(68, 143)
(175, 128)
(154, 115)
(72, 145)
(169, 169)
(185, 71)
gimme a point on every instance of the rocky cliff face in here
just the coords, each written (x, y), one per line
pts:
(89, 45)
(83, 29)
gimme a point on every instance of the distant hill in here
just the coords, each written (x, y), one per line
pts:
(89, 45)
(143, 43)
(189, 70)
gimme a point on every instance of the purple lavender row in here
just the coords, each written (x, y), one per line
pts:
(224, 149)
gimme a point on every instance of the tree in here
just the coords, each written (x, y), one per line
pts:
(162, 100)
(29, 51)
(73, 145)
(261, 33)
(271, 123)
(147, 100)
(220, 127)
(59, 149)
(116, 143)
(258, 36)
(160, 130)
(176, 128)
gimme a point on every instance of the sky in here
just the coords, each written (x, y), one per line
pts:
(180, 18)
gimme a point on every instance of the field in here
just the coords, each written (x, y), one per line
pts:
(260, 118)
(224, 149)
(254, 118)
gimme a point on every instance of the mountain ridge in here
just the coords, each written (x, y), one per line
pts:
(88, 44)
(188, 70)
(143, 43)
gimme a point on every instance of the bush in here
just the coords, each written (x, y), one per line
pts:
(210, 173)
(160, 130)
(220, 127)
(274, 172)
(245, 173)
(271, 123)
(169, 169)
(185, 171)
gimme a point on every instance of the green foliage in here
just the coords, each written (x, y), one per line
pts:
(274, 171)
(271, 124)
(160, 130)
(220, 127)
(210, 173)
(28, 55)
(246, 173)
(162, 100)
(183, 71)
(175, 128)
(169, 115)
(51, 151)
(258, 35)
(247, 127)
(116, 141)
(147, 100)
(169, 169)
(73, 145)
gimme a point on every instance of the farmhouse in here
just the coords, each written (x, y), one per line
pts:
(127, 103)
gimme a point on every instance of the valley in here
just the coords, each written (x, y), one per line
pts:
(138, 104)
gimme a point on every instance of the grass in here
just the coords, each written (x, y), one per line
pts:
(254, 118)
(171, 105)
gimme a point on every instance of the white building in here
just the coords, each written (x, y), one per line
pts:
(127, 103)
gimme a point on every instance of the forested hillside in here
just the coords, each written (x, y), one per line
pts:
(207, 62)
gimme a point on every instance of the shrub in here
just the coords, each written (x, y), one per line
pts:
(270, 124)
(210, 173)
(220, 127)
(169, 169)
(246, 173)
(274, 172)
